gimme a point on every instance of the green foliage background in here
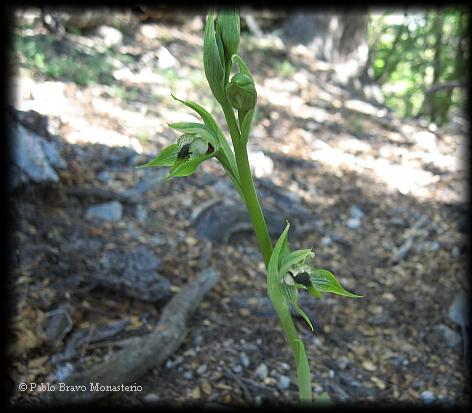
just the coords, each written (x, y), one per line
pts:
(414, 50)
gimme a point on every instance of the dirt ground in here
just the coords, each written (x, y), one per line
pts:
(386, 197)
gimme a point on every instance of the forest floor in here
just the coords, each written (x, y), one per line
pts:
(386, 197)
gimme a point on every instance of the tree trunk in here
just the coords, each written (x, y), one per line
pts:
(433, 105)
(339, 39)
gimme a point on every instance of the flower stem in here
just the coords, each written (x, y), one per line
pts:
(265, 245)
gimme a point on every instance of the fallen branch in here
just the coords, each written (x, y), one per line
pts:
(133, 361)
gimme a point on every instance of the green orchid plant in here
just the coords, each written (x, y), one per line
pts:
(288, 272)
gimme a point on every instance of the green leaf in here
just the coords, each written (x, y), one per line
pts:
(323, 399)
(303, 370)
(187, 167)
(166, 157)
(208, 120)
(314, 292)
(325, 282)
(291, 293)
(273, 280)
(246, 124)
(214, 69)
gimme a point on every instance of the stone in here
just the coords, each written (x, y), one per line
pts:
(353, 223)
(244, 360)
(262, 372)
(29, 158)
(58, 324)
(451, 337)
(107, 211)
(111, 37)
(133, 272)
(459, 309)
(202, 369)
(141, 213)
(151, 398)
(428, 396)
(238, 368)
(283, 383)
(261, 164)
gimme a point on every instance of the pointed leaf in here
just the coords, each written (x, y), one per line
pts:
(166, 157)
(325, 282)
(246, 125)
(188, 167)
(214, 69)
(291, 292)
(303, 370)
(314, 292)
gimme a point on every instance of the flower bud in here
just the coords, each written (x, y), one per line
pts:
(241, 92)
(213, 59)
(228, 22)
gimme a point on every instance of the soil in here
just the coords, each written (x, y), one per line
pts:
(337, 153)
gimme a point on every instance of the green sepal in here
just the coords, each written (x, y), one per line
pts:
(245, 125)
(166, 157)
(325, 282)
(198, 129)
(273, 279)
(314, 292)
(229, 21)
(243, 67)
(213, 66)
(291, 293)
(185, 168)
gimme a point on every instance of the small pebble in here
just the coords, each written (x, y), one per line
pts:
(283, 383)
(188, 375)
(428, 396)
(244, 360)
(238, 368)
(201, 369)
(262, 371)
(151, 398)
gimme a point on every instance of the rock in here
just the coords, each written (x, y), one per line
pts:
(188, 375)
(356, 212)
(151, 398)
(201, 369)
(134, 273)
(244, 359)
(221, 220)
(428, 397)
(111, 37)
(53, 154)
(29, 158)
(451, 337)
(262, 372)
(165, 60)
(141, 213)
(107, 211)
(237, 368)
(104, 176)
(58, 324)
(353, 223)
(63, 371)
(343, 362)
(347, 379)
(260, 163)
(283, 383)
(459, 309)
(337, 392)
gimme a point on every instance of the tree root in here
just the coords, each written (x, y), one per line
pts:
(130, 363)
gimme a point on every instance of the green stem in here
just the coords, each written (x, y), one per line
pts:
(265, 245)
